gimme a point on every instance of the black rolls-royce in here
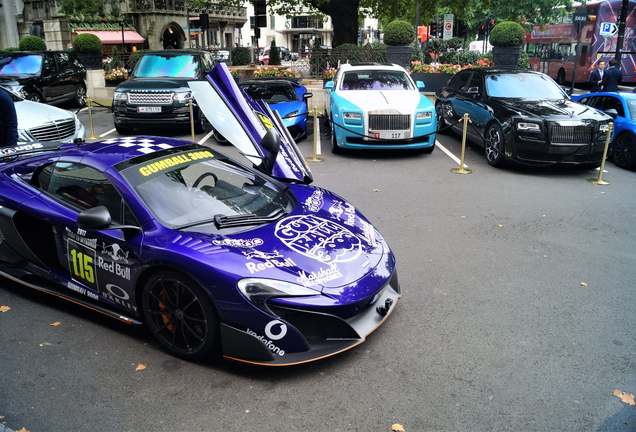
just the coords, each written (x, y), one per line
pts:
(522, 116)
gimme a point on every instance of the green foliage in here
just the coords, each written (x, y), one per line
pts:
(507, 33)
(240, 56)
(274, 54)
(32, 43)
(87, 43)
(321, 58)
(455, 43)
(459, 57)
(399, 33)
(10, 49)
(523, 61)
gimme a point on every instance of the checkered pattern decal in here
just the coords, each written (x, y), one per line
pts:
(142, 145)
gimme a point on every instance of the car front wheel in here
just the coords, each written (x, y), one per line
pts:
(625, 151)
(34, 96)
(441, 123)
(335, 148)
(494, 145)
(80, 96)
(180, 316)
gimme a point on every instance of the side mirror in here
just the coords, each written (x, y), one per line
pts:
(329, 85)
(95, 218)
(271, 142)
(420, 85)
(611, 112)
(307, 95)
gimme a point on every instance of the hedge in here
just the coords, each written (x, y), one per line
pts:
(32, 43)
(399, 32)
(240, 56)
(507, 33)
(322, 58)
(87, 43)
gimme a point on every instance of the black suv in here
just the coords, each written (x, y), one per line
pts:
(157, 94)
(523, 116)
(48, 76)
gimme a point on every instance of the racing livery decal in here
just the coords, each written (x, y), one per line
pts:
(318, 238)
(267, 260)
(314, 202)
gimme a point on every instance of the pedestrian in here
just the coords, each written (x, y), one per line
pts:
(612, 77)
(8, 117)
(596, 77)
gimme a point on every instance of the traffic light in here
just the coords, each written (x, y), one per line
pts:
(433, 29)
(260, 13)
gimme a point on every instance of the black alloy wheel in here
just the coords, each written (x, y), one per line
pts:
(494, 146)
(441, 123)
(34, 97)
(180, 316)
(625, 151)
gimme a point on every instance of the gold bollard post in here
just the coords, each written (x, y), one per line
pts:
(599, 180)
(462, 169)
(191, 119)
(316, 141)
(90, 118)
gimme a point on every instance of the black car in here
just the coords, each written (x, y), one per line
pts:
(48, 76)
(157, 94)
(523, 116)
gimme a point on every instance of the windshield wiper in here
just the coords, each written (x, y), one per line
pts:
(224, 221)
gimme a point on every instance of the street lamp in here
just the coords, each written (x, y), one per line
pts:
(123, 41)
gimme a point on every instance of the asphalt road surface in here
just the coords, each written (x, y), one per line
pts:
(517, 315)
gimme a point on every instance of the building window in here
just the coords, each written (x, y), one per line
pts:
(272, 22)
(307, 21)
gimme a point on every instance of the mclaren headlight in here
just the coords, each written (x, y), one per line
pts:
(120, 96)
(258, 290)
(291, 114)
(528, 127)
(182, 97)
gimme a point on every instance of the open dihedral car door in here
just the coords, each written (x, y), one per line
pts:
(245, 124)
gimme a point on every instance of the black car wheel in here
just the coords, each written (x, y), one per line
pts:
(442, 127)
(80, 96)
(34, 96)
(335, 148)
(180, 316)
(625, 151)
(494, 145)
(200, 122)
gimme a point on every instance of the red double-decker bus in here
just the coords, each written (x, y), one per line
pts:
(551, 48)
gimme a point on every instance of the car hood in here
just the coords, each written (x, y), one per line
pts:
(402, 101)
(563, 109)
(33, 114)
(285, 108)
(153, 84)
(324, 244)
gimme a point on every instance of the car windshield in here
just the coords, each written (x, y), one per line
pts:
(22, 65)
(631, 104)
(166, 66)
(271, 93)
(527, 86)
(190, 187)
(375, 80)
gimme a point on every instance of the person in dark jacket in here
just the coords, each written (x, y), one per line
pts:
(613, 76)
(596, 77)
(8, 120)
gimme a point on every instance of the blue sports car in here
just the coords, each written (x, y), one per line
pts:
(373, 106)
(213, 255)
(622, 107)
(287, 97)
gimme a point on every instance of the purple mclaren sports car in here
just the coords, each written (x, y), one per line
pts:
(215, 256)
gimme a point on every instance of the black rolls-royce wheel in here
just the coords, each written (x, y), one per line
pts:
(442, 127)
(180, 316)
(335, 148)
(494, 145)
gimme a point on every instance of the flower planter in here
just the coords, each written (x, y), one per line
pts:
(400, 55)
(433, 81)
(506, 57)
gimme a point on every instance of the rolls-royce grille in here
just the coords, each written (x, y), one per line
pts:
(164, 98)
(580, 134)
(389, 122)
(54, 131)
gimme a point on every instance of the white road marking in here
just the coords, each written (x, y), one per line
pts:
(449, 154)
(207, 137)
(107, 132)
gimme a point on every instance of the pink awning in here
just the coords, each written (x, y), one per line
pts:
(113, 37)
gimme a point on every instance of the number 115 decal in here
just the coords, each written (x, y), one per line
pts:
(81, 263)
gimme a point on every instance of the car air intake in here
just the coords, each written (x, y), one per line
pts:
(575, 134)
(54, 131)
(389, 122)
(150, 98)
